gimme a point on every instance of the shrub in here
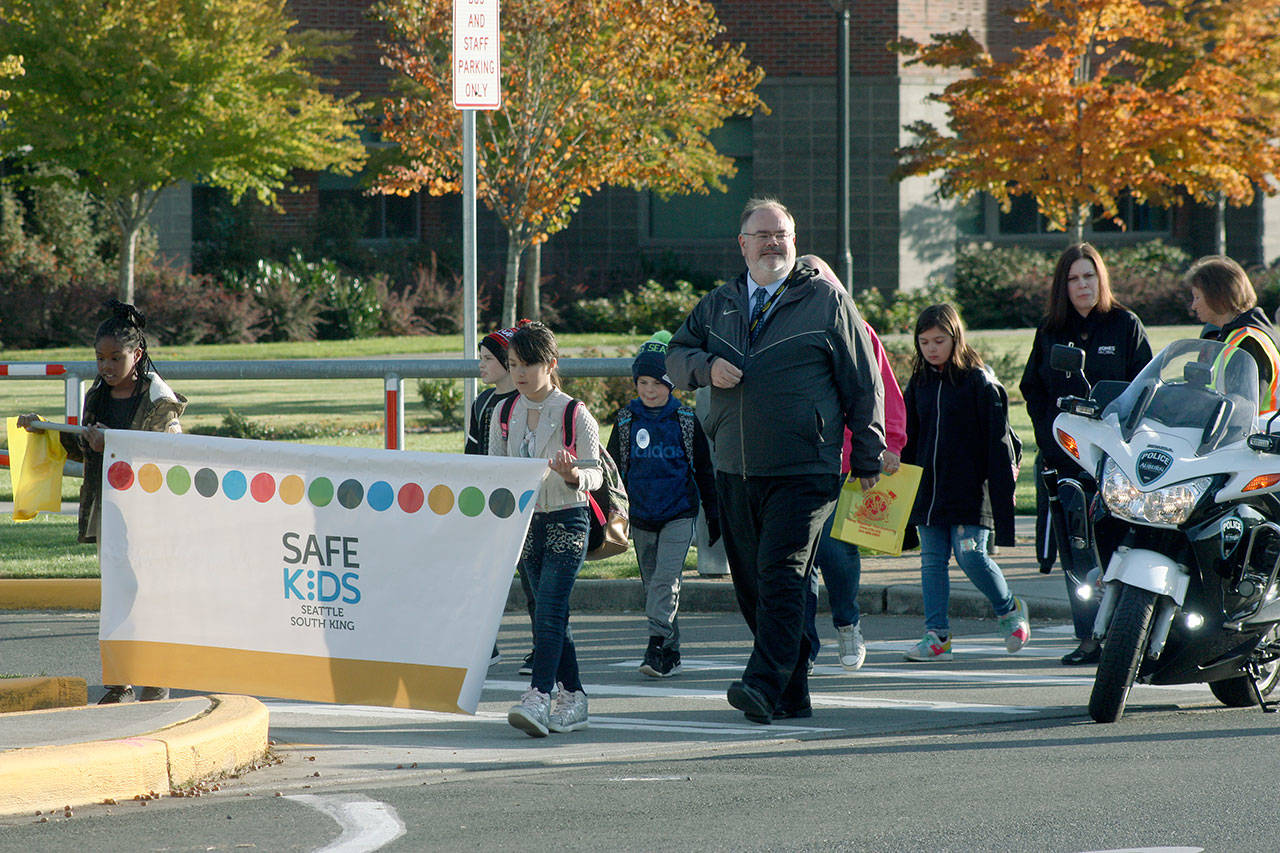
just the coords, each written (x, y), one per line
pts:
(641, 311)
(438, 297)
(443, 400)
(349, 305)
(897, 312)
(602, 395)
(186, 309)
(1266, 281)
(1002, 288)
(289, 306)
(1147, 279)
(398, 308)
(238, 426)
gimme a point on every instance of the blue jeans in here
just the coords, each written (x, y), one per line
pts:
(551, 558)
(969, 543)
(841, 565)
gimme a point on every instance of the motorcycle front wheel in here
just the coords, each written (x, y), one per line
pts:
(1236, 693)
(1122, 654)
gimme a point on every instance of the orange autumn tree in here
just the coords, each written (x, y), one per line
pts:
(1118, 97)
(594, 93)
(1224, 54)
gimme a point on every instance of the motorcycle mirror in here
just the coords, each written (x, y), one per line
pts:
(1066, 358)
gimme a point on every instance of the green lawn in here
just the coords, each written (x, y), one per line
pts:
(352, 411)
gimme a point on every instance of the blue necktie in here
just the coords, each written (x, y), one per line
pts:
(757, 312)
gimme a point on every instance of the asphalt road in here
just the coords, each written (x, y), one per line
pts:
(988, 752)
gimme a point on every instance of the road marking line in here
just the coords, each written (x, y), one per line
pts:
(366, 824)
(828, 699)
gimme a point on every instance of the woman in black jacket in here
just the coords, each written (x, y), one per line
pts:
(958, 432)
(1082, 313)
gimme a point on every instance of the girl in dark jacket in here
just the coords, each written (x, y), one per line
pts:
(1082, 313)
(958, 432)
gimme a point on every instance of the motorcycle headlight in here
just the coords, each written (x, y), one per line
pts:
(1170, 505)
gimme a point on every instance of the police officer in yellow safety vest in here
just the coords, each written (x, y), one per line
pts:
(1223, 297)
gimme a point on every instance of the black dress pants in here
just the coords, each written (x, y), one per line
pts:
(771, 527)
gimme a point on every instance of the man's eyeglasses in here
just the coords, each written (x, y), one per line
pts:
(780, 236)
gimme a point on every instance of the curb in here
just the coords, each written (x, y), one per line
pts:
(230, 734)
(36, 694)
(50, 593)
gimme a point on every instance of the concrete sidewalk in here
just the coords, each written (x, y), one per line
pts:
(74, 755)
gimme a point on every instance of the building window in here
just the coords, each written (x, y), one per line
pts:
(982, 217)
(714, 216)
(373, 217)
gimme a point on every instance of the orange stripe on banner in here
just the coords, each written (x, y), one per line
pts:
(316, 679)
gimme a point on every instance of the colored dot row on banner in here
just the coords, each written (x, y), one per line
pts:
(320, 492)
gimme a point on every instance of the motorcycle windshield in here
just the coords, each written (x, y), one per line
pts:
(1197, 384)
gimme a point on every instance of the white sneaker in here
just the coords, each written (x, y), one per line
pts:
(853, 649)
(931, 647)
(533, 713)
(1015, 626)
(570, 713)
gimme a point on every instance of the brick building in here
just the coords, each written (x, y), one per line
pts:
(900, 235)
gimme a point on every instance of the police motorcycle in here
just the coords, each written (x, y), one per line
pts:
(1182, 459)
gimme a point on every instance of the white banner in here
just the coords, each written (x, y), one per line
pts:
(329, 574)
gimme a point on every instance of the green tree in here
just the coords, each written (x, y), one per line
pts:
(1118, 96)
(594, 93)
(10, 66)
(132, 96)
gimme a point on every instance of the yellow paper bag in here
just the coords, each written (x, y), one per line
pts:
(877, 519)
(35, 467)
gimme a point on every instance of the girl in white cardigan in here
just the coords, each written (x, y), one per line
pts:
(556, 546)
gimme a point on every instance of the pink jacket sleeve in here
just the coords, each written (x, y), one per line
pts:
(895, 410)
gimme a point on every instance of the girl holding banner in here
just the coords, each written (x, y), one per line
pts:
(533, 425)
(958, 432)
(128, 393)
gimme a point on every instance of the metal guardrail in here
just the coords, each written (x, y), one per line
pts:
(393, 372)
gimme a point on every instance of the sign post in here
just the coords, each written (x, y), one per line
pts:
(477, 85)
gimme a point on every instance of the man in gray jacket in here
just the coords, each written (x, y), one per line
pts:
(789, 364)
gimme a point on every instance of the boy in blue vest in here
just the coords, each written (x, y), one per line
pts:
(665, 462)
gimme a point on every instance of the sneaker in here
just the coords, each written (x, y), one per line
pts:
(853, 649)
(570, 713)
(1015, 627)
(931, 647)
(668, 663)
(652, 665)
(153, 694)
(117, 694)
(496, 657)
(533, 715)
(526, 668)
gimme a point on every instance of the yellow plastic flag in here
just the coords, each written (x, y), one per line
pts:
(878, 518)
(35, 466)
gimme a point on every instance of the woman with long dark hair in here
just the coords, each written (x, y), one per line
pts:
(1082, 313)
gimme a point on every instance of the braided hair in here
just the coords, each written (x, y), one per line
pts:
(125, 325)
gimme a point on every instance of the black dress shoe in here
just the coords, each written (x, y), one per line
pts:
(1080, 657)
(751, 702)
(793, 713)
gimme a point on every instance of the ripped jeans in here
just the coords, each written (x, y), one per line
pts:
(969, 543)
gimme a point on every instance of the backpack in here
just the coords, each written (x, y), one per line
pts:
(622, 425)
(610, 527)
